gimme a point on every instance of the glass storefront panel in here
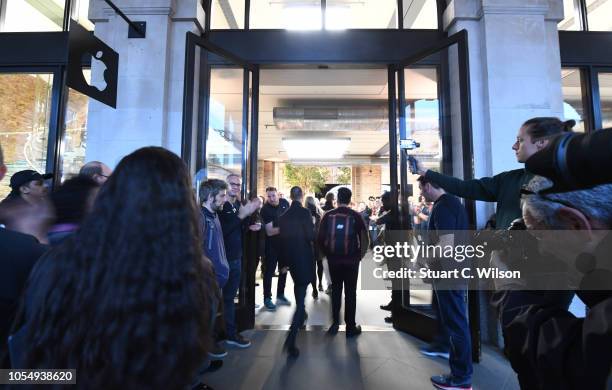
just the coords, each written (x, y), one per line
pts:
(285, 14)
(571, 19)
(227, 14)
(605, 98)
(573, 106)
(25, 106)
(343, 14)
(75, 134)
(224, 143)
(31, 15)
(423, 126)
(599, 15)
(81, 13)
(420, 14)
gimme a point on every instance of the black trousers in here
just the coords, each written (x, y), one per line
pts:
(300, 313)
(344, 276)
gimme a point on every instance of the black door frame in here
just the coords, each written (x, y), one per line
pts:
(245, 314)
(411, 320)
(251, 49)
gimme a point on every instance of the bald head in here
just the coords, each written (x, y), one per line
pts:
(97, 171)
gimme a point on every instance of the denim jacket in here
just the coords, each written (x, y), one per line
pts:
(214, 248)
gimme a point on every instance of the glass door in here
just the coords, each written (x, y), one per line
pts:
(28, 121)
(603, 98)
(434, 125)
(216, 133)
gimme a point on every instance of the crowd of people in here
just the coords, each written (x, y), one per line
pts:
(124, 276)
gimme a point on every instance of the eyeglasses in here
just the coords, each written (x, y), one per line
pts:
(234, 184)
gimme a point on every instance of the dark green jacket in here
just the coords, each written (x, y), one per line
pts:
(503, 188)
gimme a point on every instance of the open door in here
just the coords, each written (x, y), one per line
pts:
(216, 138)
(435, 127)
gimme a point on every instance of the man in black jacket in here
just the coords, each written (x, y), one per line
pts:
(18, 254)
(297, 239)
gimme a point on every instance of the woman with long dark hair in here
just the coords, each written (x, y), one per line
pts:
(126, 300)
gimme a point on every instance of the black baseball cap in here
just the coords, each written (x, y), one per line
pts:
(24, 177)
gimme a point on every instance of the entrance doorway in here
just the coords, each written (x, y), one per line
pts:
(263, 119)
(325, 126)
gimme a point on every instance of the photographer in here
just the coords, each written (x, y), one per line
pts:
(547, 346)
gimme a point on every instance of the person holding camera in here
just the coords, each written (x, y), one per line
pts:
(576, 204)
(583, 242)
(504, 188)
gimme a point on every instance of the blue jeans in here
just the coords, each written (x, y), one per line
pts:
(229, 293)
(453, 319)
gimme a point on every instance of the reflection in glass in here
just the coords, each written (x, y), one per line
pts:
(81, 10)
(605, 98)
(342, 14)
(420, 14)
(285, 14)
(31, 15)
(571, 21)
(422, 125)
(573, 106)
(74, 144)
(599, 15)
(224, 143)
(227, 14)
(25, 104)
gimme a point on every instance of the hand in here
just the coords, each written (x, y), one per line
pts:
(249, 208)
(255, 227)
(420, 169)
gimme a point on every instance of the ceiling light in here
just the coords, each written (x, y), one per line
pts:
(313, 149)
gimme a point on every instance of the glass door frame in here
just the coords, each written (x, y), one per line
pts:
(56, 126)
(596, 98)
(245, 313)
(408, 319)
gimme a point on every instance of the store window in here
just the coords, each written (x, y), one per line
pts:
(75, 131)
(421, 14)
(224, 143)
(227, 14)
(605, 98)
(286, 14)
(81, 13)
(31, 15)
(573, 104)
(25, 106)
(343, 14)
(571, 21)
(599, 15)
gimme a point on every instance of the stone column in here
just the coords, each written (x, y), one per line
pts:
(150, 85)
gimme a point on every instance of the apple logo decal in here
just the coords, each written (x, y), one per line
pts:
(98, 67)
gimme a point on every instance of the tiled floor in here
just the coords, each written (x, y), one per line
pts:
(377, 360)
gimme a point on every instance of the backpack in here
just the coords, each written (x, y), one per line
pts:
(341, 235)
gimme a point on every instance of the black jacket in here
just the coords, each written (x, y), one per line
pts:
(296, 241)
(18, 254)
